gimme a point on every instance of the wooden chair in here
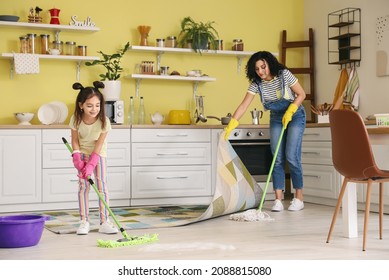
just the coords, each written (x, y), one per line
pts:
(353, 158)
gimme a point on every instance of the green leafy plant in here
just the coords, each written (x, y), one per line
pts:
(199, 33)
(111, 62)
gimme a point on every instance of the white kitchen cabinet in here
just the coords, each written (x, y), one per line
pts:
(20, 167)
(321, 180)
(171, 166)
(60, 183)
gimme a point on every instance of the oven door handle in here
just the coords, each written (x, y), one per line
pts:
(251, 144)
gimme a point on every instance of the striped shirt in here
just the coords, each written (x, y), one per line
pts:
(271, 90)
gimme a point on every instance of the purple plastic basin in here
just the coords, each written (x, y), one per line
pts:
(21, 230)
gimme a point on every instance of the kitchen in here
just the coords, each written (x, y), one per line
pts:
(256, 27)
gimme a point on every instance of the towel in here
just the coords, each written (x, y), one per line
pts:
(351, 97)
(26, 63)
(340, 90)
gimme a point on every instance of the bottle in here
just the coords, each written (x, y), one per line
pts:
(45, 38)
(32, 43)
(131, 111)
(141, 111)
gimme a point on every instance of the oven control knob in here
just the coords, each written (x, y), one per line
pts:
(248, 133)
(261, 133)
(236, 134)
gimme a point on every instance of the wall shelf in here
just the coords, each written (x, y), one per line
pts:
(194, 80)
(160, 51)
(54, 27)
(344, 37)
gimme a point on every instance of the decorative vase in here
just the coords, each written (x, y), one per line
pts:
(144, 34)
(112, 90)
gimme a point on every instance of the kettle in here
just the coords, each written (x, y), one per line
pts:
(157, 118)
(256, 115)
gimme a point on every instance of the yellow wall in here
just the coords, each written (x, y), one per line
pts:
(258, 23)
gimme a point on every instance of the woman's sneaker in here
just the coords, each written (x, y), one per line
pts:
(277, 206)
(296, 205)
(108, 228)
(83, 229)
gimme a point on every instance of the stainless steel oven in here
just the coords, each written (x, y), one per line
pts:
(252, 145)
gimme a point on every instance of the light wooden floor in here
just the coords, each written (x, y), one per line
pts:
(292, 236)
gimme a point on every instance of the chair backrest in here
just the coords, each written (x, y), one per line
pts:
(352, 155)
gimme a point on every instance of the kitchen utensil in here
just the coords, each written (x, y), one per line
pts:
(47, 114)
(256, 115)
(54, 51)
(144, 34)
(21, 230)
(179, 117)
(24, 118)
(54, 13)
(199, 111)
(223, 120)
(322, 109)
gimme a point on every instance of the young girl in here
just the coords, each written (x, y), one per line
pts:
(281, 94)
(89, 127)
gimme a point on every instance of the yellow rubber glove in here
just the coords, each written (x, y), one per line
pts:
(288, 114)
(230, 127)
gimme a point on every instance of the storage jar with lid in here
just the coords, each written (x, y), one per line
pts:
(237, 45)
(82, 51)
(160, 43)
(23, 44)
(70, 48)
(45, 43)
(31, 43)
(171, 42)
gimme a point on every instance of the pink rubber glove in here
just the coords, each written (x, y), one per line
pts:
(78, 163)
(90, 166)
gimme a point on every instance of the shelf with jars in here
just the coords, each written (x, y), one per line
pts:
(57, 28)
(161, 50)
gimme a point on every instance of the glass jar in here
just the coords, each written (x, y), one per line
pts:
(31, 43)
(160, 43)
(45, 43)
(23, 44)
(237, 45)
(219, 45)
(57, 45)
(82, 51)
(70, 48)
(171, 42)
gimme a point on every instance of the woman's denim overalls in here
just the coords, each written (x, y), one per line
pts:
(290, 148)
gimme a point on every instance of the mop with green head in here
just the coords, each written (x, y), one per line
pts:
(255, 215)
(127, 240)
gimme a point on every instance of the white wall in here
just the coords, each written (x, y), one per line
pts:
(374, 90)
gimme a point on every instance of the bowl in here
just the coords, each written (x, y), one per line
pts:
(21, 230)
(24, 118)
(8, 18)
(54, 51)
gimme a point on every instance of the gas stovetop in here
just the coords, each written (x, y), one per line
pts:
(250, 134)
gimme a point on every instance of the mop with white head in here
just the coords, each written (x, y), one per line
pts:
(256, 215)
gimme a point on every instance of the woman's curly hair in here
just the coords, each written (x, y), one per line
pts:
(274, 66)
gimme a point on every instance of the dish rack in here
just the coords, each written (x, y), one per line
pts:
(382, 119)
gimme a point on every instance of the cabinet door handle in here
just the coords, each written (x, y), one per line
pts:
(171, 177)
(312, 134)
(172, 135)
(173, 154)
(73, 180)
(312, 176)
(314, 153)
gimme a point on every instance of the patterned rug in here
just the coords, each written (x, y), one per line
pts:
(63, 222)
(235, 190)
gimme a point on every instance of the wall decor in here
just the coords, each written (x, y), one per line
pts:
(382, 54)
(87, 23)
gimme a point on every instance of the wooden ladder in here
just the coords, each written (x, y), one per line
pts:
(310, 98)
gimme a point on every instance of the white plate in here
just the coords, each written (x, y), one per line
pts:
(63, 114)
(47, 114)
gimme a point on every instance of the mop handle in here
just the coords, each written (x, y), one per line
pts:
(271, 168)
(92, 183)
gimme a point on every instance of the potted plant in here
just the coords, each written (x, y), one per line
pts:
(111, 62)
(198, 33)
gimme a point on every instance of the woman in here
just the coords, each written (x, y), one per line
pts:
(281, 93)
